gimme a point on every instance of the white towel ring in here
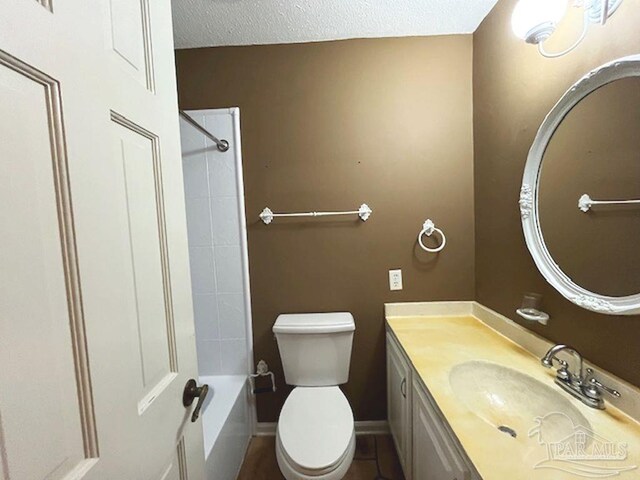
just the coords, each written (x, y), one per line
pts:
(427, 229)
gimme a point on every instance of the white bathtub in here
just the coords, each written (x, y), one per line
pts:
(225, 423)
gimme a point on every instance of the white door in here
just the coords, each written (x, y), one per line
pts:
(399, 403)
(96, 328)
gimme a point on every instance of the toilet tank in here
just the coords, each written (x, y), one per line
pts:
(315, 347)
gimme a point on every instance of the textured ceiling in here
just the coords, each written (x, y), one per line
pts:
(206, 23)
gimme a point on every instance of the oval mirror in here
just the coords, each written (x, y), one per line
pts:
(586, 151)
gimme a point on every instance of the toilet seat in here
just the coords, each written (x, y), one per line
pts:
(292, 471)
(315, 433)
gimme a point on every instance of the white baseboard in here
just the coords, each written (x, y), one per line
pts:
(372, 427)
(367, 427)
(265, 429)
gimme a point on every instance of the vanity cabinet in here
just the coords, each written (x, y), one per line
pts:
(434, 453)
(399, 403)
(427, 448)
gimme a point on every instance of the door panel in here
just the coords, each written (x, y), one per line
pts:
(172, 472)
(136, 151)
(96, 323)
(45, 392)
(48, 4)
(131, 39)
(176, 469)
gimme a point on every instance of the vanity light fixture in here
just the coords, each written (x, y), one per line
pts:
(534, 21)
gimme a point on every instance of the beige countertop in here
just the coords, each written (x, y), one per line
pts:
(435, 344)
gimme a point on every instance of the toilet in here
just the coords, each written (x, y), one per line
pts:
(315, 437)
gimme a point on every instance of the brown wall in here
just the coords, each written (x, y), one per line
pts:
(328, 126)
(514, 88)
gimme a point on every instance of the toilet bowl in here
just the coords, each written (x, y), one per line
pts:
(315, 438)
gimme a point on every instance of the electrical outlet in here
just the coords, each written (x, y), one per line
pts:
(395, 279)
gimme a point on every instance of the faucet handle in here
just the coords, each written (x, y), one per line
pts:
(609, 390)
(548, 362)
(562, 372)
(594, 387)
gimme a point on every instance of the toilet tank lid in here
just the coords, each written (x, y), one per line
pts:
(308, 323)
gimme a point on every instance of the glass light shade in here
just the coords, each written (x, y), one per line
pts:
(534, 20)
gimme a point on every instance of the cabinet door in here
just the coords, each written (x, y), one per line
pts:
(434, 456)
(399, 403)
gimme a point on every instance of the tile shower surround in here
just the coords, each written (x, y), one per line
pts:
(214, 248)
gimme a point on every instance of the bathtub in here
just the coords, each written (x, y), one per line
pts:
(225, 424)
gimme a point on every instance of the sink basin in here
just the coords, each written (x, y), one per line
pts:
(515, 403)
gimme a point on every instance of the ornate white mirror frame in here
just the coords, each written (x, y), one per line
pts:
(607, 73)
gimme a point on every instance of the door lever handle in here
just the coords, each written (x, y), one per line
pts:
(191, 391)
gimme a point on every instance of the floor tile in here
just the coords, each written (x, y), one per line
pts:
(260, 462)
(365, 448)
(388, 458)
(362, 470)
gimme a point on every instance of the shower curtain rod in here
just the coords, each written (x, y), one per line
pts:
(222, 145)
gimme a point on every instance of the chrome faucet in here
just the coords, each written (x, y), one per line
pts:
(581, 384)
(563, 371)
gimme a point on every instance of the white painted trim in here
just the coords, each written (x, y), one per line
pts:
(265, 429)
(607, 73)
(372, 427)
(237, 149)
(366, 427)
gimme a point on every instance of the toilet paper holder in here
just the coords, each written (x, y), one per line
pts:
(262, 370)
